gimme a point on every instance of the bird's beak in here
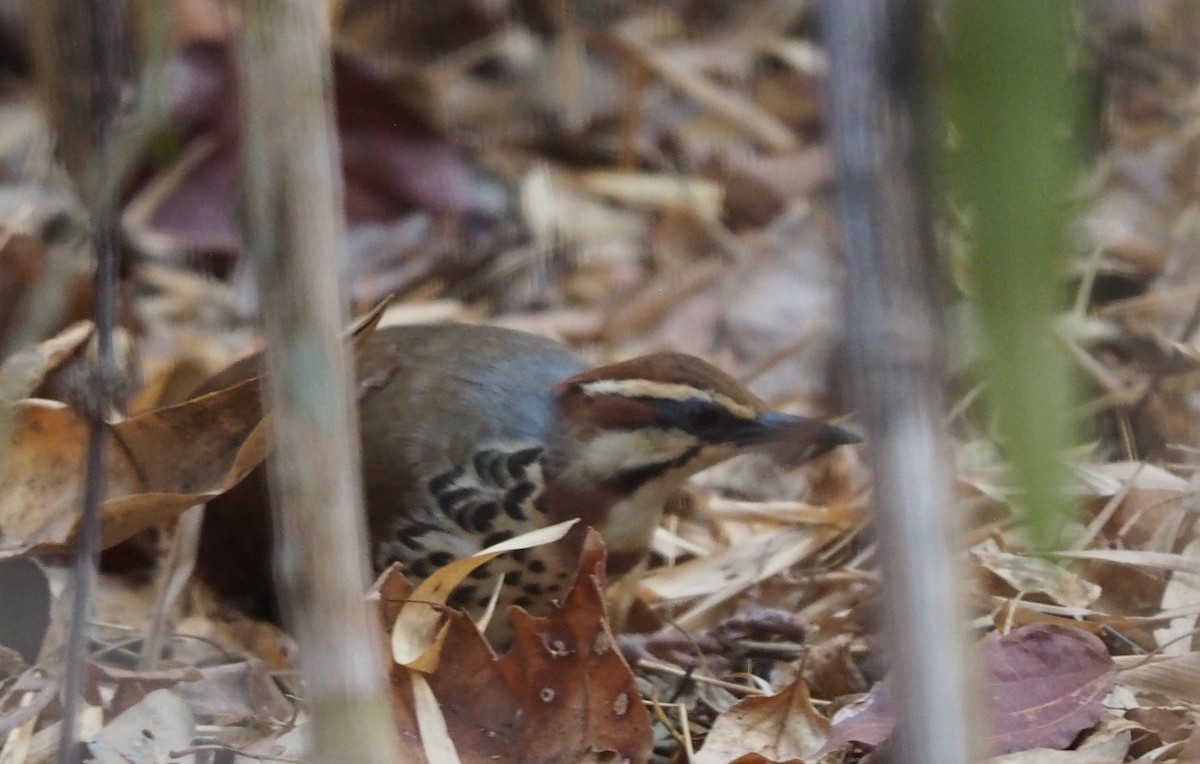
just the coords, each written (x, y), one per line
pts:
(813, 436)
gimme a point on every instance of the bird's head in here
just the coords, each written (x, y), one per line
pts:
(657, 419)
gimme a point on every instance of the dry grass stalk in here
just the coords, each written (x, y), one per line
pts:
(291, 170)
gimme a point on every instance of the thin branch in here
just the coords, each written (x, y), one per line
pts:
(105, 27)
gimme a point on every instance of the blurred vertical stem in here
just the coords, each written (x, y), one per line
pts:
(88, 55)
(292, 175)
(894, 343)
(1012, 106)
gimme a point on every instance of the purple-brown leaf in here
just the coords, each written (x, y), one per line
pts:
(1047, 682)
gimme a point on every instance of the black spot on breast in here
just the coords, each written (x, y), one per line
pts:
(478, 518)
(497, 470)
(519, 461)
(519, 555)
(495, 538)
(534, 589)
(443, 481)
(462, 596)
(480, 573)
(441, 559)
(514, 500)
(537, 566)
(483, 461)
(523, 601)
(420, 567)
(408, 534)
(450, 499)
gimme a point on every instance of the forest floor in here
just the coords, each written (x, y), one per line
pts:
(630, 177)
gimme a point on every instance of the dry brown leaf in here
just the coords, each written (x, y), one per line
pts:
(1113, 753)
(1108, 743)
(1176, 678)
(1138, 558)
(1182, 589)
(780, 727)
(416, 638)
(28, 267)
(160, 463)
(721, 576)
(25, 370)
(1046, 683)
(236, 693)
(1036, 575)
(562, 693)
(867, 722)
(393, 160)
(567, 675)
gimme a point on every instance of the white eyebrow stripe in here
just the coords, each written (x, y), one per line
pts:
(644, 388)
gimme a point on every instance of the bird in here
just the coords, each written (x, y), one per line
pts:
(472, 435)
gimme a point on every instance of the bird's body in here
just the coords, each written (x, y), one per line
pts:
(472, 435)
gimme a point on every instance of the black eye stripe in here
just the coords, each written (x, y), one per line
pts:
(704, 418)
(693, 414)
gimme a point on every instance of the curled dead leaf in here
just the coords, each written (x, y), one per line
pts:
(562, 693)
(160, 463)
(416, 636)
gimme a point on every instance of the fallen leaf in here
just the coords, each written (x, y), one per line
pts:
(1036, 575)
(25, 370)
(1108, 745)
(160, 463)
(415, 636)
(236, 693)
(868, 722)
(1182, 589)
(146, 733)
(573, 686)
(393, 160)
(782, 727)
(1046, 684)
(563, 693)
(28, 265)
(1177, 679)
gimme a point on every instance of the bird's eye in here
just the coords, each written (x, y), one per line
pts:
(703, 419)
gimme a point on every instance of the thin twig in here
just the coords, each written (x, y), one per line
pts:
(105, 26)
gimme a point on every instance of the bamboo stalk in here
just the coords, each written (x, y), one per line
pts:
(295, 233)
(894, 335)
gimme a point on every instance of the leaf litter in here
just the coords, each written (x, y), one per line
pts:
(644, 176)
